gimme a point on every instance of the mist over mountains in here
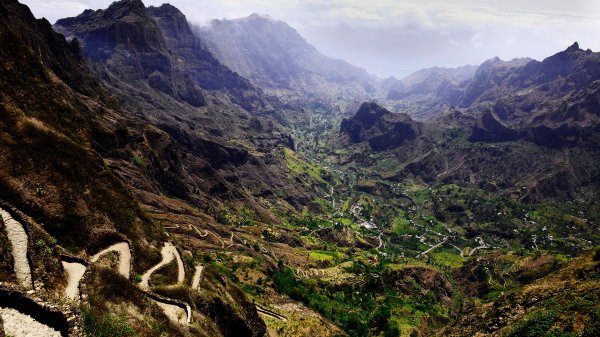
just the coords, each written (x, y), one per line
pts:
(159, 178)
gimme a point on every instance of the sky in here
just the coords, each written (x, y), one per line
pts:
(398, 37)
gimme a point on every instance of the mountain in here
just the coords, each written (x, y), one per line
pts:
(49, 110)
(487, 78)
(517, 123)
(382, 129)
(435, 79)
(274, 56)
(427, 92)
(130, 46)
(157, 68)
(549, 102)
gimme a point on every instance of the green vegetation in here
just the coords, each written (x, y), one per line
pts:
(367, 308)
(244, 217)
(448, 259)
(300, 167)
(140, 162)
(323, 255)
(107, 325)
(402, 226)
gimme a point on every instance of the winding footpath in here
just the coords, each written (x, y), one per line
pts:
(175, 313)
(169, 253)
(75, 272)
(18, 239)
(197, 276)
(121, 248)
(16, 323)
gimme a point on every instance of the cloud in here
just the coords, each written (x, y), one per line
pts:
(53, 10)
(396, 37)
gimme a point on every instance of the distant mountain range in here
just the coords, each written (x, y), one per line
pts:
(274, 56)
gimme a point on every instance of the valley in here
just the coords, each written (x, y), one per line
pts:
(161, 178)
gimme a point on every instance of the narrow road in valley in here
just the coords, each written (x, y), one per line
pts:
(432, 248)
(380, 240)
(75, 272)
(206, 232)
(477, 248)
(121, 248)
(462, 253)
(169, 253)
(19, 240)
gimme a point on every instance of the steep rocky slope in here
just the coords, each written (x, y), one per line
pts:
(272, 54)
(79, 155)
(49, 110)
(428, 92)
(563, 303)
(191, 152)
(382, 129)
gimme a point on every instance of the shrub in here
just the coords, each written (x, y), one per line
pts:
(106, 326)
(140, 162)
(597, 255)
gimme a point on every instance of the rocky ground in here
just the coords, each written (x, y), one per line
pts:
(17, 324)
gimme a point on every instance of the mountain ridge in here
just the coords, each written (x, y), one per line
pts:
(280, 57)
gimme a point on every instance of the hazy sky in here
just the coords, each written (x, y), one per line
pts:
(397, 37)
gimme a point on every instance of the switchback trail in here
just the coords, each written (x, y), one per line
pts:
(75, 272)
(169, 253)
(18, 240)
(121, 248)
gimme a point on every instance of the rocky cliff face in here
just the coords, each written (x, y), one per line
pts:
(49, 111)
(274, 56)
(488, 80)
(489, 128)
(129, 45)
(379, 127)
(202, 67)
(160, 71)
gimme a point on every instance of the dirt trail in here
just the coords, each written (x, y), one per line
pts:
(17, 324)
(432, 248)
(121, 248)
(18, 239)
(173, 312)
(197, 276)
(75, 272)
(169, 253)
(206, 232)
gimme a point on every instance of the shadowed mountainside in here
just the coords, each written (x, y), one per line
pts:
(273, 55)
